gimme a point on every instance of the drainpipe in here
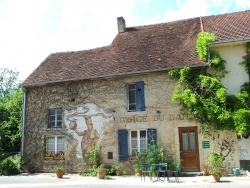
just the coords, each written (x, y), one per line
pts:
(23, 120)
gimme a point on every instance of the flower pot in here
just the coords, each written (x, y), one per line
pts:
(216, 178)
(205, 173)
(118, 172)
(170, 173)
(48, 158)
(101, 174)
(58, 158)
(59, 174)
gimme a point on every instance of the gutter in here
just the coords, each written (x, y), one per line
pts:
(222, 42)
(109, 75)
(23, 120)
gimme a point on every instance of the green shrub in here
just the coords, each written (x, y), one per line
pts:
(10, 165)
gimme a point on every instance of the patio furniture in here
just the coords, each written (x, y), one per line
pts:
(161, 171)
(176, 172)
(146, 170)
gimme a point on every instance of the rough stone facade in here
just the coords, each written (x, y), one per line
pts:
(105, 101)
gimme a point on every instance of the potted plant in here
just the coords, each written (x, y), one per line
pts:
(59, 170)
(49, 155)
(101, 171)
(59, 155)
(117, 169)
(215, 161)
(205, 170)
(171, 168)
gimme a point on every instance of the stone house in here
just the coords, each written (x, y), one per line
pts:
(119, 94)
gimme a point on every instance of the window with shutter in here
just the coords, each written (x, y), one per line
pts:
(136, 99)
(134, 141)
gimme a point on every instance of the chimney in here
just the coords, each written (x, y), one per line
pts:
(121, 24)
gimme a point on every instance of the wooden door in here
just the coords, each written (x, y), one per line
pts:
(189, 149)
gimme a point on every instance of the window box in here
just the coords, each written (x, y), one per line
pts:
(48, 158)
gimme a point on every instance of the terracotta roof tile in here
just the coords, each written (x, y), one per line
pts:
(141, 49)
(228, 26)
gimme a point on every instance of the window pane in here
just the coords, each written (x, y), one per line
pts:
(192, 140)
(131, 86)
(134, 134)
(52, 124)
(52, 112)
(143, 134)
(143, 140)
(131, 95)
(59, 116)
(59, 111)
(51, 144)
(59, 124)
(185, 140)
(132, 107)
(60, 144)
(52, 118)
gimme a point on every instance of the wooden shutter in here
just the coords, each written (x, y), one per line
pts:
(152, 136)
(123, 144)
(140, 100)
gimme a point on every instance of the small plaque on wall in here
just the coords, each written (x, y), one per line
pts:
(205, 144)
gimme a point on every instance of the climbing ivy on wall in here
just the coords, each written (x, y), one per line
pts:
(203, 96)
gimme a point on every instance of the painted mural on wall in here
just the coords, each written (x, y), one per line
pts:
(226, 144)
(85, 124)
(244, 149)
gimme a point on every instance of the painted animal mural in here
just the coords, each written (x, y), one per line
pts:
(86, 124)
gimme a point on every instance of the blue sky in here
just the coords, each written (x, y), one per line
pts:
(30, 30)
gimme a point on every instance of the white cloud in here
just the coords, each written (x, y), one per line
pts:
(187, 9)
(242, 4)
(31, 30)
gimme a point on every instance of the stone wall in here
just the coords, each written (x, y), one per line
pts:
(105, 102)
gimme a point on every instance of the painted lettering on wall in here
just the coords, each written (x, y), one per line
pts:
(158, 117)
(133, 119)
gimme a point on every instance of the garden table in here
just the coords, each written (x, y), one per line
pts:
(162, 168)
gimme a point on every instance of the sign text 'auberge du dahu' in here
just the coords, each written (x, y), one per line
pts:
(170, 117)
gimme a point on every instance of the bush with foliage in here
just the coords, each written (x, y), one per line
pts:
(204, 98)
(11, 96)
(152, 155)
(215, 161)
(10, 165)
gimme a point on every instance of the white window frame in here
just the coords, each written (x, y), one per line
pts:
(130, 103)
(56, 148)
(138, 141)
(55, 115)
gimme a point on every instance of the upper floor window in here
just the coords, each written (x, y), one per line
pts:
(135, 93)
(55, 117)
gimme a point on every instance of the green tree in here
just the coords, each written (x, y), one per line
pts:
(10, 112)
(8, 81)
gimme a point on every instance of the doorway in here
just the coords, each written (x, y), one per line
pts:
(189, 149)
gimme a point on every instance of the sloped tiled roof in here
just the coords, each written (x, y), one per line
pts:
(228, 26)
(141, 49)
